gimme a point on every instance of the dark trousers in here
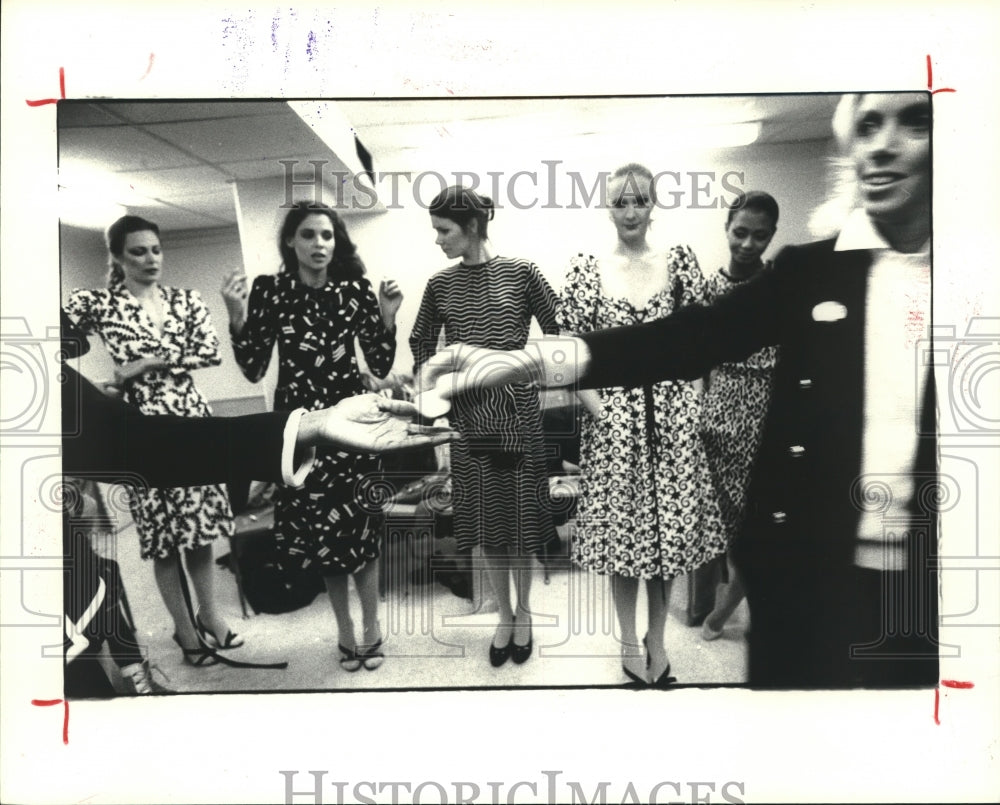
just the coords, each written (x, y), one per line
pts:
(818, 621)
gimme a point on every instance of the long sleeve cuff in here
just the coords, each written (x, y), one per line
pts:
(295, 476)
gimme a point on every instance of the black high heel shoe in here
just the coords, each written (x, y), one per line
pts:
(638, 680)
(520, 654)
(202, 657)
(232, 640)
(664, 680)
(500, 654)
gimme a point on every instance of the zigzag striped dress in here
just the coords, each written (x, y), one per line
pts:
(499, 481)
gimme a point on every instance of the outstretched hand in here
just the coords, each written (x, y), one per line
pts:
(369, 423)
(552, 361)
(460, 368)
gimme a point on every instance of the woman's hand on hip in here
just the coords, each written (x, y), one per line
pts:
(129, 371)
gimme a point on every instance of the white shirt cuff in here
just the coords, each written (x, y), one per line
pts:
(291, 475)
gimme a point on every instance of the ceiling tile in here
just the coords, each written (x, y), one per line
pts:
(118, 149)
(174, 111)
(241, 138)
(74, 114)
(270, 165)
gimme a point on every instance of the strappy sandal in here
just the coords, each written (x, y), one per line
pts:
(201, 657)
(349, 660)
(372, 656)
(232, 640)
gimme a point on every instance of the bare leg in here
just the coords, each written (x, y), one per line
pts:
(658, 600)
(498, 570)
(366, 580)
(625, 592)
(336, 589)
(522, 621)
(199, 566)
(727, 598)
(167, 574)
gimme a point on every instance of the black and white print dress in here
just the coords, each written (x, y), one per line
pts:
(328, 523)
(181, 518)
(646, 508)
(734, 409)
(499, 481)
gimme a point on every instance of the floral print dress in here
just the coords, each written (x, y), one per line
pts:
(646, 508)
(735, 406)
(181, 518)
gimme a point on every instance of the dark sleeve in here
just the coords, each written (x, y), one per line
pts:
(688, 343)
(255, 343)
(201, 342)
(106, 439)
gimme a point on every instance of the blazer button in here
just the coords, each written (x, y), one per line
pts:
(778, 517)
(805, 383)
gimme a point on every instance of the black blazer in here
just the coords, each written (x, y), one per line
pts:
(107, 440)
(810, 456)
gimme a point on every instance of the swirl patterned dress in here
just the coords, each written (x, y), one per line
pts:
(734, 408)
(182, 518)
(646, 508)
(499, 479)
(327, 524)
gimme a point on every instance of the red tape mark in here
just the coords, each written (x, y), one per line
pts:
(947, 683)
(62, 92)
(930, 79)
(65, 704)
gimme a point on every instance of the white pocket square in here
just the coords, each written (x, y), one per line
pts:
(829, 311)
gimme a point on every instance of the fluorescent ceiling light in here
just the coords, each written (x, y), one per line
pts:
(86, 210)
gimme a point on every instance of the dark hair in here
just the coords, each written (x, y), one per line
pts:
(115, 237)
(633, 169)
(463, 206)
(345, 263)
(756, 201)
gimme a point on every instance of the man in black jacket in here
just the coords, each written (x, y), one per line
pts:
(839, 539)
